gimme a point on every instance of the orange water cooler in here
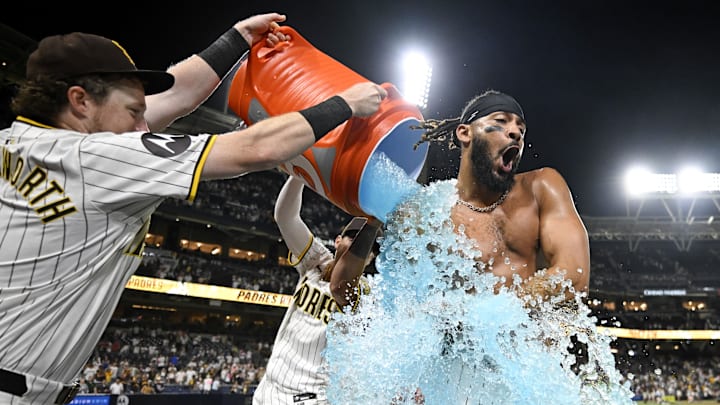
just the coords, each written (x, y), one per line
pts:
(295, 75)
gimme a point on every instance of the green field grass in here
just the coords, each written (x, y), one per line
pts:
(709, 401)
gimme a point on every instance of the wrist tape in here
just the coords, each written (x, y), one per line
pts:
(224, 53)
(324, 117)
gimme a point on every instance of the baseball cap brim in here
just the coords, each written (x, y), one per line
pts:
(354, 226)
(154, 81)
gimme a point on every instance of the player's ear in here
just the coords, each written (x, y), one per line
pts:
(337, 240)
(79, 100)
(463, 134)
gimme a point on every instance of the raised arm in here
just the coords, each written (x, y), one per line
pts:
(294, 231)
(274, 140)
(197, 77)
(563, 237)
(350, 266)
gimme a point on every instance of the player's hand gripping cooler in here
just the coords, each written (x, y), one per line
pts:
(294, 75)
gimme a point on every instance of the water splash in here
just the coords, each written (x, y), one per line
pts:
(383, 185)
(419, 329)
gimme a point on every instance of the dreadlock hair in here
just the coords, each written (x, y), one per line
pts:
(443, 131)
(439, 131)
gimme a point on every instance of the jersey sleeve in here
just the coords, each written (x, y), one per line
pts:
(122, 169)
(316, 255)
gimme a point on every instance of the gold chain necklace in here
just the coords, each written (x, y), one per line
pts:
(484, 209)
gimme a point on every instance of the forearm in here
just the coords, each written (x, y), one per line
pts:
(351, 265)
(195, 81)
(196, 78)
(345, 279)
(578, 275)
(552, 283)
(260, 147)
(289, 200)
(294, 231)
(275, 140)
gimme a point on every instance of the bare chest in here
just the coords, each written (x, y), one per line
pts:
(507, 240)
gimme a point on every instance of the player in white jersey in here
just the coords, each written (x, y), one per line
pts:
(294, 372)
(81, 173)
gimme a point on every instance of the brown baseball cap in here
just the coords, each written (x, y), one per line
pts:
(77, 54)
(352, 227)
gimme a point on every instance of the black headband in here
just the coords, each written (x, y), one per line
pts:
(490, 103)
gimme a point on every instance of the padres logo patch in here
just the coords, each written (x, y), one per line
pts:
(164, 145)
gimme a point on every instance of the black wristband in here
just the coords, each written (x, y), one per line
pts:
(363, 242)
(225, 52)
(327, 115)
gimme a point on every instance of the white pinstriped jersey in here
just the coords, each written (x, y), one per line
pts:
(295, 365)
(74, 212)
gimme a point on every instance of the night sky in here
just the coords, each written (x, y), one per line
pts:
(604, 84)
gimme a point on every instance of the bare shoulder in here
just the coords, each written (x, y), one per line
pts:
(544, 182)
(544, 176)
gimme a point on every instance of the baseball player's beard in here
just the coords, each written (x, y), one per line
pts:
(483, 167)
(100, 125)
(97, 126)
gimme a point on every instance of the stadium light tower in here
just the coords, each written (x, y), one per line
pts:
(693, 180)
(680, 207)
(689, 182)
(640, 182)
(416, 77)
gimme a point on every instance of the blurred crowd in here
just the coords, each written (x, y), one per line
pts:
(670, 377)
(250, 201)
(654, 265)
(143, 360)
(187, 266)
(614, 269)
